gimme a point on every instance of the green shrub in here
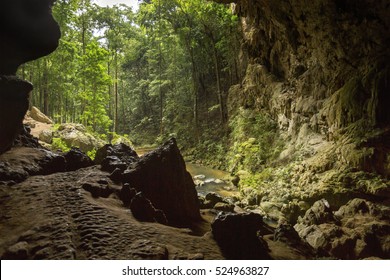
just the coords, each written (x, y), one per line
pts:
(59, 144)
(255, 141)
(92, 154)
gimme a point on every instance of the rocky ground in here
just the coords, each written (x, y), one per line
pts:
(56, 206)
(124, 206)
(54, 217)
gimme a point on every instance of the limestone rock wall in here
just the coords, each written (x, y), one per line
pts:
(321, 70)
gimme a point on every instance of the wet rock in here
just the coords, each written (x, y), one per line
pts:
(43, 253)
(121, 151)
(198, 183)
(292, 210)
(51, 163)
(76, 159)
(159, 217)
(116, 175)
(235, 181)
(21, 162)
(143, 210)
(213, 198)
(202, 202)
(126, 194)
(162, 177)
(225, 207)
(110, 163)
(239, 235)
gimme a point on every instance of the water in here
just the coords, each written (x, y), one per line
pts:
(213, 180)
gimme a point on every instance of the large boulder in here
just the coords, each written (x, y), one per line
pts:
(37, 115)
(359, 229)
(22, 162)
(76, 135)
(162, 177)
(121, 151)
(319, 213)
(239, 235)
(143, 210)
(76, 159)
(46, 136)
(126, 194)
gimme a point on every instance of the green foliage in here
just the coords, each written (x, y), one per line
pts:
(258, 180)
(117, 139)
(59, 144)
(255, 141)
(92, 154)
(164, 71)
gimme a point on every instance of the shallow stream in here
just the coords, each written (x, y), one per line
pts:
(205, 178)
(211, 180)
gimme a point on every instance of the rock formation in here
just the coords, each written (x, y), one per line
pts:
(240, 236)
(162, 177)
(76, 159)
(320, 71)
(27, 32)
(359, 229)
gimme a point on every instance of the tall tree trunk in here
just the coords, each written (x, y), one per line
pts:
(221, 97)
(195, 96)
(123, 106)
(45, 91)
(116, 93)
(110, 113)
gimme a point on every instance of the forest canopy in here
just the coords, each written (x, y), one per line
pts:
(161, 71)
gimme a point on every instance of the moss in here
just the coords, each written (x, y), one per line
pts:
(376, 81)
(255, 141)
(350, 105)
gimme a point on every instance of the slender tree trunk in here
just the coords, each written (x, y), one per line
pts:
(45, 91)
(109, 92)
(221, 97)
(195, 95)
(116, 93)
(123, 106)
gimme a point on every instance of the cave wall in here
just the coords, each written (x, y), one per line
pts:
(321, 70)
(27, 31)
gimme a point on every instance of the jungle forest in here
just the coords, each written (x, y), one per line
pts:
(195, 129)
(161, 71)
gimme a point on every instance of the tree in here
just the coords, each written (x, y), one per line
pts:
(162, 71)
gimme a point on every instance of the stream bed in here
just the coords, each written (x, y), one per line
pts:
(206, 179)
